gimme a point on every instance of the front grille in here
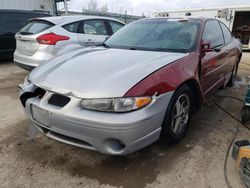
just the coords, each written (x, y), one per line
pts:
(70, 139)
(58, 100)
(66, 139)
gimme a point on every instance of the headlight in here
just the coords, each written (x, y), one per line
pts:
(116, 104)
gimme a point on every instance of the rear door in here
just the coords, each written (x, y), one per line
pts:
(92, 32)
(213, 62)
(26, 38)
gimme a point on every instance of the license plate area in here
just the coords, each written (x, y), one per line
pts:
(41, 116)
(23, 45)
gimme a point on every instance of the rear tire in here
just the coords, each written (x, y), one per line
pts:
(233, 76)
(178, 115)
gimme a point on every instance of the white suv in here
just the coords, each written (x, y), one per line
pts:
(44, 38)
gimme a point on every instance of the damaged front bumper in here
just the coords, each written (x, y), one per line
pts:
(109, 133)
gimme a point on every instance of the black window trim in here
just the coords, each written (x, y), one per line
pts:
(111, 30)
(77, 30)
(220, 22)
(108, 27)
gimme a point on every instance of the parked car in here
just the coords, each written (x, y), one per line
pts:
(11, 22)
(145, 81)
(44, 38)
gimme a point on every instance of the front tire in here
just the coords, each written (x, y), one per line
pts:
(178, 115)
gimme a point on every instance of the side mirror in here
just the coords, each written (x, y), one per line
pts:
(206, 47)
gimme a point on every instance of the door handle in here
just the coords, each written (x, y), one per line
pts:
(227, 52)
(89, 41)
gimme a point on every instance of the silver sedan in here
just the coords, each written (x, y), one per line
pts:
(142, 82)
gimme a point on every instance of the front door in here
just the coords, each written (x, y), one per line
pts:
(212, 62)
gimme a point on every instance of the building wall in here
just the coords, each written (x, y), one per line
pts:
(39, 5)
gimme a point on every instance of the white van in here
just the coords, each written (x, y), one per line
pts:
(236, 18)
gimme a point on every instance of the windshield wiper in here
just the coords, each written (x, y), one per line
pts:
(133, 49)
(104, 45)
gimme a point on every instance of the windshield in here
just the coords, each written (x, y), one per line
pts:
(157, 34)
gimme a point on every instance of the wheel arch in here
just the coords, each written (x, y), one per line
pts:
(196, 91)
(240, 56)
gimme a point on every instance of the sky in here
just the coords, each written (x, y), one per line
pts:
(148, 7)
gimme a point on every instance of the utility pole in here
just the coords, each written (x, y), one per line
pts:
(66, 8)
(55, 9)
(126, 16)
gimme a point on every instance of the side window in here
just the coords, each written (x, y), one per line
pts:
(227, 34)
(72, 27)
(94, 27)
(213, 34)
(115, 26)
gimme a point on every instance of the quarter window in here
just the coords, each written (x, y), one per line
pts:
(72, 27)
(227, 34)
(94, 27)
(115, 26)
(213, 34)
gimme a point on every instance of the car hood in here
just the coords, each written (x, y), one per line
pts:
(99, 72)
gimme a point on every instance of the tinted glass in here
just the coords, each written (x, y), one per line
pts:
(35, 26)
(72, 27)
(227, 34)
(94, 27)
(115, 26)
(12, 22)
(213, 34)
(159, 35)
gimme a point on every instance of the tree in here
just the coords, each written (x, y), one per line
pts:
(121, 10)
(92, 5)
(104, 8)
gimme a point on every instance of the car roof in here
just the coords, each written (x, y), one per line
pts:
(57, 20)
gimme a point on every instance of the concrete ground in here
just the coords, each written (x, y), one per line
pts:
(29, 160)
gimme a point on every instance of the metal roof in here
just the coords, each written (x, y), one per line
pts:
(240, 8)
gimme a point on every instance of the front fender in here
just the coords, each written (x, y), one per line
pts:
(168, 78)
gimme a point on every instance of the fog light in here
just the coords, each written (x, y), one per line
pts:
(114, 145)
